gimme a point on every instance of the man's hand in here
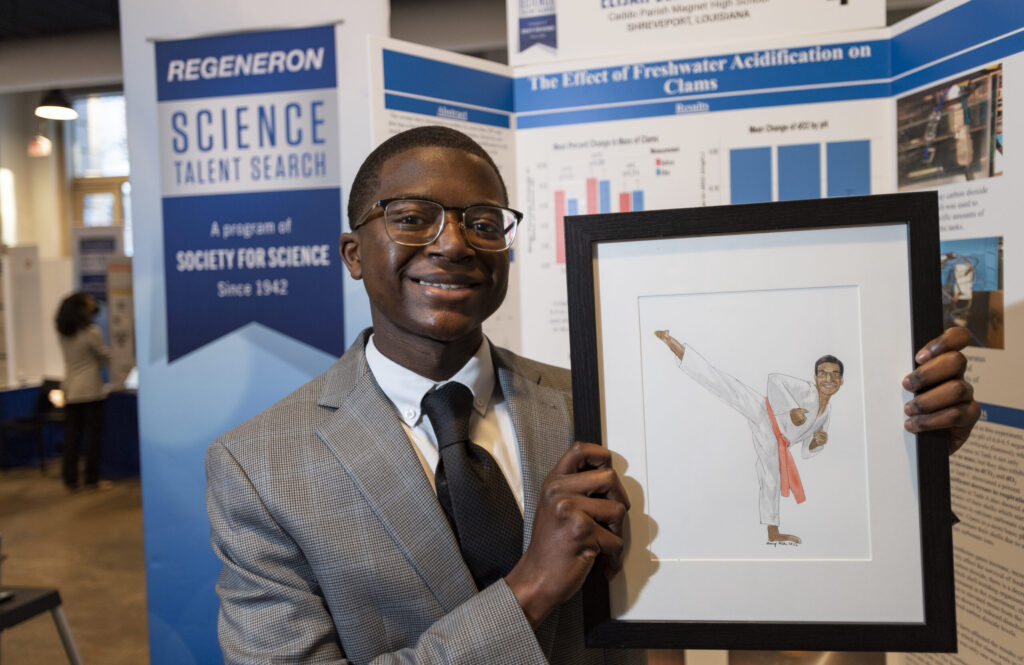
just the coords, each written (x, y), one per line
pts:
(580, 518)
(819, 439)
(798, 416)
(944, 399)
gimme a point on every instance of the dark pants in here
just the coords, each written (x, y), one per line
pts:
(84, 424)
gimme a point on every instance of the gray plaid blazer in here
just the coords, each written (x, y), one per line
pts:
(334, 546)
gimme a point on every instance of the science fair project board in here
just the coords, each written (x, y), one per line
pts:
(929, 104)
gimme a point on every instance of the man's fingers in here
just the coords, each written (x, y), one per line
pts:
(950, 393)
(608, 514)
(944, 399)
(583, 455)
(602, 482)
(612, 548)
(949, 365)
(599, 536)
(957, 417)
(951, 339)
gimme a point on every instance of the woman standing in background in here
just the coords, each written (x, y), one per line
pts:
(81, 342)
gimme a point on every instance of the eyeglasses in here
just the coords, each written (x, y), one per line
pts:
(826, 374)
(419, 222)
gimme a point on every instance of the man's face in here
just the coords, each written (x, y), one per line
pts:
(443, 291)
(828, 378)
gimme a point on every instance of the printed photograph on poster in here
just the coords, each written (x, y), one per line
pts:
(952, 132)
(972, 289)
(770, 387)
(804, 658)
(744, 366)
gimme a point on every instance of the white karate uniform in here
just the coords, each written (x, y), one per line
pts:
(784, 393)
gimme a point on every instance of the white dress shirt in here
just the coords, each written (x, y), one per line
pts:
(490, 426)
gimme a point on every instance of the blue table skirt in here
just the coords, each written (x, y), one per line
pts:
(119, 457)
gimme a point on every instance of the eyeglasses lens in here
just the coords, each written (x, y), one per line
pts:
(415, 222)
(490, 227)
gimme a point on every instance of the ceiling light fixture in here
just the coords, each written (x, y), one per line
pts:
(56, 106)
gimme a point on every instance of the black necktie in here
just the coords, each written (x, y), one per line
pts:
(472, 490)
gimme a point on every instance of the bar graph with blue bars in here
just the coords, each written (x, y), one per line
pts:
(750, 175)
(792, 172)
(799, 172)
(606, 196)
(849, 168)
(597, 199)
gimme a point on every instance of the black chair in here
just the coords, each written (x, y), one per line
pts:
(44, 414)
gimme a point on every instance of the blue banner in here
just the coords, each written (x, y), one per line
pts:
(251, 187)
(826, 64)
(966, 27)
(537, 30)
(537, 24)
(446, 111)
(414, 75)
(1002, 415)
(247, 63)
(225, 270)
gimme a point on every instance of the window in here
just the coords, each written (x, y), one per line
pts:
(100, 192)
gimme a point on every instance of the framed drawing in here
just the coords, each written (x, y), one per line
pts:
(743, 365)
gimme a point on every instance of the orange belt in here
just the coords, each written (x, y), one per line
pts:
(788, 475)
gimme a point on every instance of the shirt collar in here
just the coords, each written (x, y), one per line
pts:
(406, 388)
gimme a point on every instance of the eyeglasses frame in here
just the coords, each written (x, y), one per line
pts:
(384, 203)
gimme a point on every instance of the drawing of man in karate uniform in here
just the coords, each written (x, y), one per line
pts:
(794, 412)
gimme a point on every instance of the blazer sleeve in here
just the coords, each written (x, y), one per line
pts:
(97, 347)
(273, 612)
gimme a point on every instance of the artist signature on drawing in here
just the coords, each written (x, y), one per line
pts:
(781, 543)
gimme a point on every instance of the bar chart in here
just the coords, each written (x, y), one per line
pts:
(800, 171)
(598, 199)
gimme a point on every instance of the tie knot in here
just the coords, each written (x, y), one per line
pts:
(449, 408)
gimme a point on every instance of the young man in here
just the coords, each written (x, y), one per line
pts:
(794, 412)
(331, 518)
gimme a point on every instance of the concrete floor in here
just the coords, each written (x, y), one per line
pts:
(89, 546)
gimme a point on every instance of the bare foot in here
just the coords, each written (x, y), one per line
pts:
(775, 537)
(662, 335)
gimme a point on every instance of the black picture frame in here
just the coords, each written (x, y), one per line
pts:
(919, 213)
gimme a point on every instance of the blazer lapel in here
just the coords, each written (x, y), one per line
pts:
(366, 437)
